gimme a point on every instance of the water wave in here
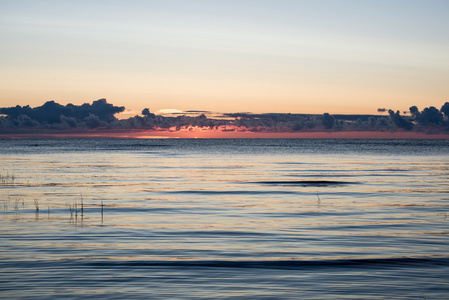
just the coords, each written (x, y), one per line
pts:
(292, 264)
(305, 182)
(233, 192)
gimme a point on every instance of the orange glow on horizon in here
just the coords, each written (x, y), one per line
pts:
(223, 132)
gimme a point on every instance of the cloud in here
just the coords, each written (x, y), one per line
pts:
(168, 111)
(328, 121)
(432, 115)
(101, 115)
(55, 115)
(400, 121)
(445, 109)
(430, 119)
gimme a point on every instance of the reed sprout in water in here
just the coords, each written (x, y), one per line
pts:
(7, 179)
(36, 205)
(17, 203)
(82, 206)
(76, 208)
(69, 206)
(5, 204)
(102, 208)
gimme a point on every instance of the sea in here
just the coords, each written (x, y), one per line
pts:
(224, 219)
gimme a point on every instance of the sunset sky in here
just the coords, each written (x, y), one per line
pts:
(227, 56)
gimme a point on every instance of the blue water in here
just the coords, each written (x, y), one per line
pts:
(224, 219)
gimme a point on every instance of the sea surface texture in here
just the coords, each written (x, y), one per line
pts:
(224, 219)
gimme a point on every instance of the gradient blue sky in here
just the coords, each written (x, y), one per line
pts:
(227, 56)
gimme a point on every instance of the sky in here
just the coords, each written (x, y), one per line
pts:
(283, 56)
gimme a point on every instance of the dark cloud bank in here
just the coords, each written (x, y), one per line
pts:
(100, 115)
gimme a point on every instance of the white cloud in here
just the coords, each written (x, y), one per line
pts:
(168, 111)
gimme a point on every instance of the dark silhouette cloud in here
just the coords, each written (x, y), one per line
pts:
(55, 115)
(68, 122)
(431, 117)
(146, 112)
(26, 121)
(414, 111)
(101, 115)
(104, 111)
(445, 109)
(328, 121)
(93, 121)
(400, 121)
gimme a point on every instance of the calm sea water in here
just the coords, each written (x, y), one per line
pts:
(224, 219)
